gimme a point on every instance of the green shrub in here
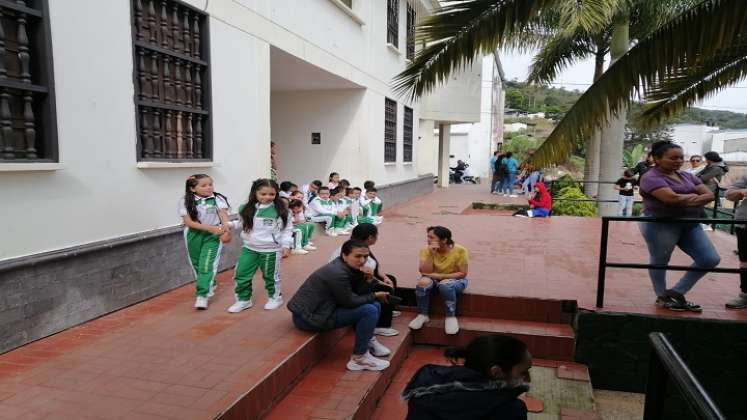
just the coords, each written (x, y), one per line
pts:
(561, 183)
(564, 206)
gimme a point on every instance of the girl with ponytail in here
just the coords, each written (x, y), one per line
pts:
(205, 216)
(495, 371)
(443, 266)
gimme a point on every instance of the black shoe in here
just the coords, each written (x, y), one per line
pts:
(681, 303)
(667, 302)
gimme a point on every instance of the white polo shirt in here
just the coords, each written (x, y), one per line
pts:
(207, 209)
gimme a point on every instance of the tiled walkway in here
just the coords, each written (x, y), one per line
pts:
(162, 359)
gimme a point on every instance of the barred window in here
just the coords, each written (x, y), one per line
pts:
(390, 130)
(392, 22)
(410, 54)
(172, 83)
(28, 126)
(407, 126)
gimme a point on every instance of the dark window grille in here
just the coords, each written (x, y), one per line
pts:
(28, 126)
(392, 22)
(410, 32)
(172, 81)
(407, 127)
(348, 3)
(390, 130)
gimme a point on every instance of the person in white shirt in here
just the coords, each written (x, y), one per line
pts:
(310, 191)
(266, 230)
(323, 210)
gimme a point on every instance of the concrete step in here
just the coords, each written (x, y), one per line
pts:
(501, 307)
(545, 340)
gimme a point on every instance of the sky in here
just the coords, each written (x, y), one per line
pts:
(579, 77)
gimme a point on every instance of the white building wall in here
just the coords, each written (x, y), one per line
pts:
(427, 148)
(101, 192)
(694, 138)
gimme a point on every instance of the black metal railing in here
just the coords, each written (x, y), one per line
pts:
(667, 367)
(604, 264)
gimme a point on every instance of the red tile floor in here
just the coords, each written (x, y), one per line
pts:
(162, 359)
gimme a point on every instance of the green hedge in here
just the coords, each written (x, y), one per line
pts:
(562, 206)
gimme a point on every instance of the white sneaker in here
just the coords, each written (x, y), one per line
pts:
(213, 288)
(451, 325)
(299, 251)
(419, 321)
(342, 232)
(239, 306)
(378, 349)
(201, 302)
(309, 247)
(396, 314)
(367, 362)
(274, 303)
(386, 332)
(513, 195)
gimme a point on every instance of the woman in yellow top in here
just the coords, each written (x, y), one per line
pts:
(443, 266)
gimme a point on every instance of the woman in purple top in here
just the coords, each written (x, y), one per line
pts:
(669, 192)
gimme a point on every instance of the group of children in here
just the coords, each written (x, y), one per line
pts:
(275, 221)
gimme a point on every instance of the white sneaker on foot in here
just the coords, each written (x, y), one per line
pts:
(396, 314)
(201, 302)
(213, 288)
(367, 362)
(274, 303)
(513, 195)
(239, 306)
(299, 251)
(309, 247)
(451, 325)
(419, 321)
(378, 349)
(386, 332)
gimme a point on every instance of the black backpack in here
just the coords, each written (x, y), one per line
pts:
(500, 166)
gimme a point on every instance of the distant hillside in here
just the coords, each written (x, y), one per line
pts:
(557, 101)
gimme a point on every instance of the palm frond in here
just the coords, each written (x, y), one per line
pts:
(458, 33)
(590, 16)
(557, 54)
(697, 35)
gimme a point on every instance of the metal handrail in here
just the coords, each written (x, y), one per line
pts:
(603, 263)
(665, 366)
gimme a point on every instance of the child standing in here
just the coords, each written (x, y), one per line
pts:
(266, 230)
(626, 187)
(205, 217)
(323, 210)
(302, 230)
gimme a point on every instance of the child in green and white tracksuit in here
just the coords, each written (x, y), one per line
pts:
(302, 230)
(205, 217)
(342, 208)
(323, 210)
(368, 208)
(266, 241)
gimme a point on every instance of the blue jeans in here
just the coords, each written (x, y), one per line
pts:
(363, 317)
(661, 238)
(449, 289)
(528, 185)
(625, 206)
(508, 183)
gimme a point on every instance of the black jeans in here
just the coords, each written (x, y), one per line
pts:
(385, 316)
(742, 250)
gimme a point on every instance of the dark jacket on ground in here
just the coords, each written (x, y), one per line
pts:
(712, 174)
(324, 291)
(456, 392)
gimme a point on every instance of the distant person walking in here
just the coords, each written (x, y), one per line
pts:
(670, 192)
(509, 167)
(714, 170)
(626, 187)
(493, 171)
(499, 172)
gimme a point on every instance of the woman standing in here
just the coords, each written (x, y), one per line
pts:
(713, 172)
(669, 192)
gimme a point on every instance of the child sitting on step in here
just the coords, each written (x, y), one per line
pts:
(342, 209)
(323, 210)
(302, 230)
(376, 205)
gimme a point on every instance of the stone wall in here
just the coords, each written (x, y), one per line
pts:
(615, 347)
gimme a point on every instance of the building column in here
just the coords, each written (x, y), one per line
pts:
(444, 138)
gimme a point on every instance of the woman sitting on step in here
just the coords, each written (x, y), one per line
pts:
(326, 301)
(443, 266)
(495, 373)
(373, 280)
